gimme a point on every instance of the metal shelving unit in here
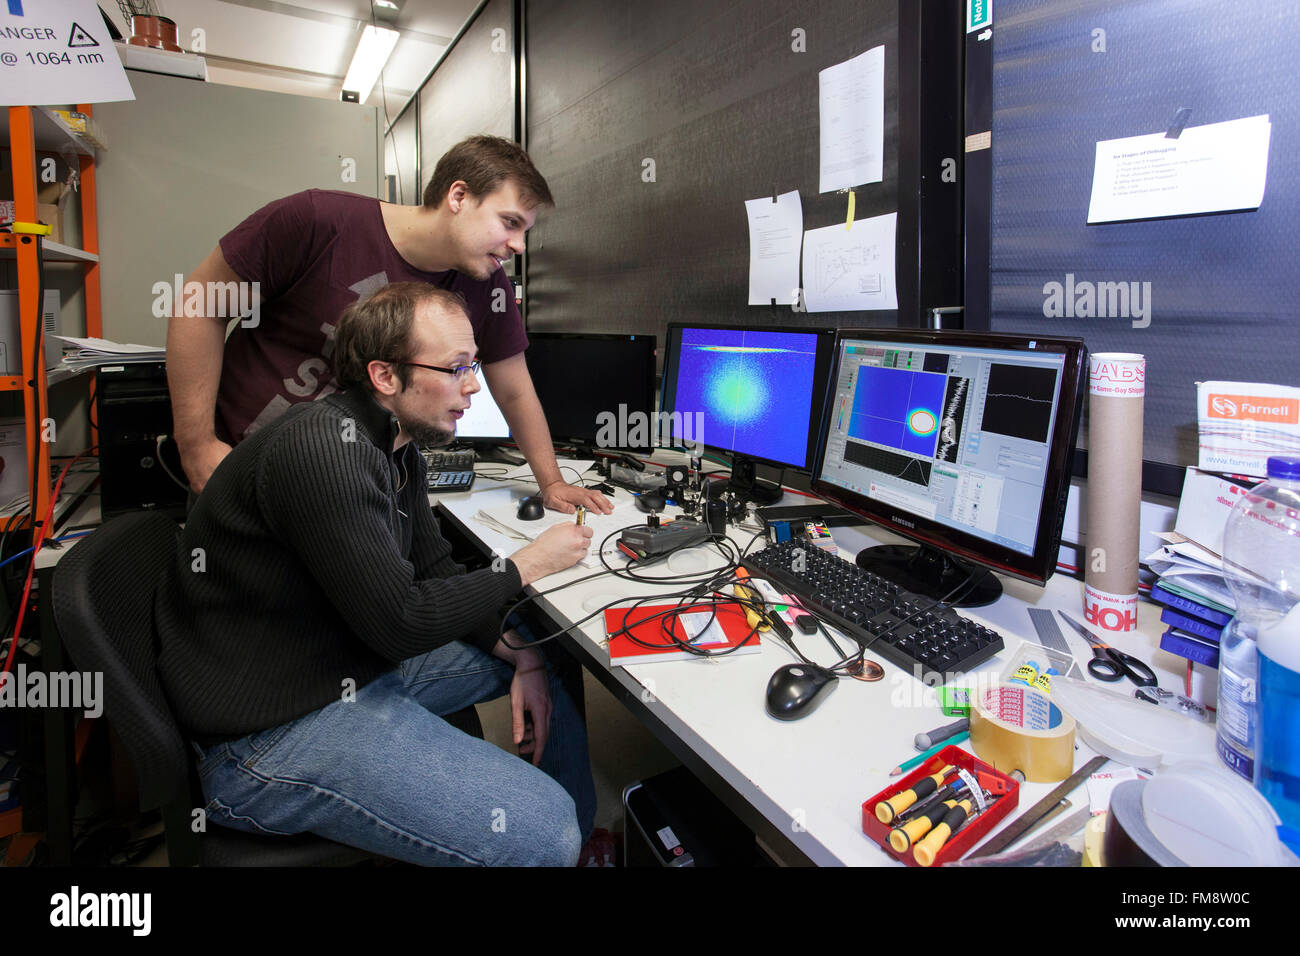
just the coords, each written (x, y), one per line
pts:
(29, 130)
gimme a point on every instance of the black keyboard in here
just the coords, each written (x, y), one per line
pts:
(449, 470)
(904, 628)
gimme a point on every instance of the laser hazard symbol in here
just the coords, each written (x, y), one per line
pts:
(79, 37)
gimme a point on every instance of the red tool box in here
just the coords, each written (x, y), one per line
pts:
(970, 834)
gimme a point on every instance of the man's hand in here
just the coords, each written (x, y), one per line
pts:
(558, 547)
(562, 496)
(201, 461)
(530, 694)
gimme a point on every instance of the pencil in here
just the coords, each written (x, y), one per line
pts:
(922, 757)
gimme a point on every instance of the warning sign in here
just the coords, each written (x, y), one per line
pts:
(80, 37)
(39, 67)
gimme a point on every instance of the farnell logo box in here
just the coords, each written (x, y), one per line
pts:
(1240, 424)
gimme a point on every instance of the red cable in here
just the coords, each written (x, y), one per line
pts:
(37, 541)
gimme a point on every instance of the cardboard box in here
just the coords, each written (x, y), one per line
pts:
(1240, 424)
(50, 214)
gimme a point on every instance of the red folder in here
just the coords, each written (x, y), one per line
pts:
(647, 627)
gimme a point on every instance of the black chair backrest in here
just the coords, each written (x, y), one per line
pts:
(103, 602)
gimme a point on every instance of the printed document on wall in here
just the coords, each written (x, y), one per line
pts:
(56, 52)
(775, 231)
(847, 270)
(1220, 167)
(852, 100)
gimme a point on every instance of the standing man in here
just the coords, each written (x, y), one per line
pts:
(310, 642)
(313, 254)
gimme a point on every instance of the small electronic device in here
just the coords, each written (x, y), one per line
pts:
(651, 541)
(796, 690)
(531, 508)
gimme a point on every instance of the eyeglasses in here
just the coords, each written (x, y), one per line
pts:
(459, 372)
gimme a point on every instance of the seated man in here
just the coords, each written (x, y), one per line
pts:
(313, 626)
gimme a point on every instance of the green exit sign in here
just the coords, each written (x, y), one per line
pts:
(979, 13)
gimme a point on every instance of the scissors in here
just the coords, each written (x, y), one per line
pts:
(1109, 664)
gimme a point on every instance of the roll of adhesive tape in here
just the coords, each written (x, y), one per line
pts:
(1014, 727)
(1128, 840)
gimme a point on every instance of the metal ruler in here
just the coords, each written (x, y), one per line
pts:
(1042, 808)
(1050, 636)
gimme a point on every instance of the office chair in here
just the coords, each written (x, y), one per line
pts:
(103, 597)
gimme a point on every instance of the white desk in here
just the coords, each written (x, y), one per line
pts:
(806, 779)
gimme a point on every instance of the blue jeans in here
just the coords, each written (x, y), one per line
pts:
(386, 774)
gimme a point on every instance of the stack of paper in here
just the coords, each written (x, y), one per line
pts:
(85, 352)
(505, 520)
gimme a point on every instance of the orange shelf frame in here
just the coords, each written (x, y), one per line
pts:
(22, 148)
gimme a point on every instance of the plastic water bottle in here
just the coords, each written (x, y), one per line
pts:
(1277, 769)
(1261, 556)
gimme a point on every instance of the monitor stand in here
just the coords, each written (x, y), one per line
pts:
(930, 572)
(745, 482)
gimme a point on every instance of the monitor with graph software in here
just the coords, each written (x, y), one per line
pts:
(960, 441)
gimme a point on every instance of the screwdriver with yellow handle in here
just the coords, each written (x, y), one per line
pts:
(902, 837)
(886, 810)
(925, 851)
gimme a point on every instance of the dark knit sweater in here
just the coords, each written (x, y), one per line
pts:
(320, 564)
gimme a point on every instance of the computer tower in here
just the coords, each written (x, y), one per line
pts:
(671, 819)
(133, 409)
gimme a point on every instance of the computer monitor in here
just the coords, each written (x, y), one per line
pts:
(753, 392)
(589, 384)
(482, 423)
(961, 441)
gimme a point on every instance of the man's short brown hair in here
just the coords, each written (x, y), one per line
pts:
(379, 328)
(484, 163)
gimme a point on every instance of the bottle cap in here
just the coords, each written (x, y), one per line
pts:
(1282, 467)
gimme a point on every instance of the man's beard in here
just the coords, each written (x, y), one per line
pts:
(427, 436)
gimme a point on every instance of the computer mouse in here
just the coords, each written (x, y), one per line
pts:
(531, 508)
(651, 501)
(796, 690)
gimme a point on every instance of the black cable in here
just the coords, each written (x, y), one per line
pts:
(704, 577)
(36, 376)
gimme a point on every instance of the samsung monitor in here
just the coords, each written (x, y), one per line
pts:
(754, 393)
(596, 389)
(960, 441)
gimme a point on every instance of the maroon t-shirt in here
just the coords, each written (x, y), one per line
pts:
(313, 254)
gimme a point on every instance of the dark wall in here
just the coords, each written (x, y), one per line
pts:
(473, 88)
(717, 97)
(1223, 288)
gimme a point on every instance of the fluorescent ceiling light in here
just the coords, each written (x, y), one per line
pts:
(367, 63)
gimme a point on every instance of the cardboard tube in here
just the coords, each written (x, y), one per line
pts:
(1116, 392)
